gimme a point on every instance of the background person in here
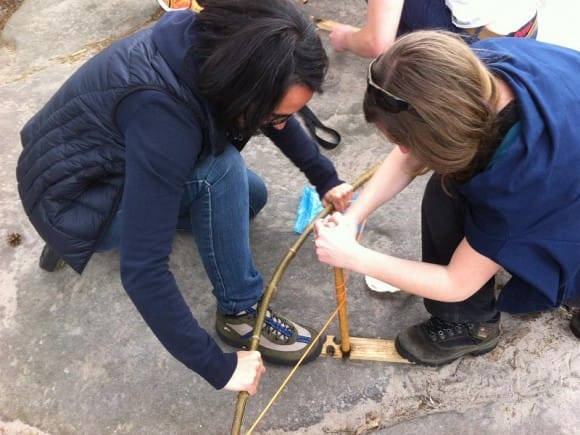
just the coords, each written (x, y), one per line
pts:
(497, 125)
(387, 19)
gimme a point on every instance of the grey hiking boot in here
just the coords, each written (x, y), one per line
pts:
(575, 324)
(437, 342)
(282, 341)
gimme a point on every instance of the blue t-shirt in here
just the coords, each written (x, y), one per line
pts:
(523, 211)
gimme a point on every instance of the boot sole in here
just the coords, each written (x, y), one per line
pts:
(408, 356)
(312, 355)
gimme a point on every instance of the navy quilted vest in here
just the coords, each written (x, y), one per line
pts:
(70, 173)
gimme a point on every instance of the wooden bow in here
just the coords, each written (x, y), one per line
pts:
(268, 293)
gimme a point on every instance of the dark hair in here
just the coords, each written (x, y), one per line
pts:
(250, 52)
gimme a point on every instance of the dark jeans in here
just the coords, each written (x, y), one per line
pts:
(442, 228)
(426, 14)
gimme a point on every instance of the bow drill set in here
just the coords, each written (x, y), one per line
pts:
(344, 347)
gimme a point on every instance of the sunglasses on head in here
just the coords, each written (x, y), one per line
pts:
(389, 102)
(277, 119)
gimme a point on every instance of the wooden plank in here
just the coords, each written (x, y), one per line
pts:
(195, 6)
(328, 25)
(367, 349)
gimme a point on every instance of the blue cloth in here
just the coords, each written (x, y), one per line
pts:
(308, 208)
(524, 211)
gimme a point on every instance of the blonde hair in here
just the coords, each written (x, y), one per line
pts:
(450, 124)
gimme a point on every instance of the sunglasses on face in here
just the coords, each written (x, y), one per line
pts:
(277, 119)
(389, 102)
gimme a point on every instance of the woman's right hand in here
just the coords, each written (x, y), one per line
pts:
(247, 375)
(335, 241)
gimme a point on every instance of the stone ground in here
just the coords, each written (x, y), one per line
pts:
(76, 358)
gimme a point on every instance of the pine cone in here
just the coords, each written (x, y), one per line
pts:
(14, 239)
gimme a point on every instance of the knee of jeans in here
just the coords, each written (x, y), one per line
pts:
(228, 167)
(230, 162)
(258, 198)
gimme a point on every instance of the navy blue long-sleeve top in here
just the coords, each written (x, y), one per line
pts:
(163, 142)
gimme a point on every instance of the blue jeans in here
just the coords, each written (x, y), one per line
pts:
(220, 198)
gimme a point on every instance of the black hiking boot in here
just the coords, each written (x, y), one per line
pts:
(575, 324)
(49, 260)
(437, 342)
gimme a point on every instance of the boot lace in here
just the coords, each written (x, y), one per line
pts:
(278, 327)
(438, 329)
(275, 326)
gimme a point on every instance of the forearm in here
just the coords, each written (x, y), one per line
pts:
(362, 43)
(162, 143)
(465, 274)
(169, 318)
(394, 174)
(427, 280)
(379, 31)
(301, 149)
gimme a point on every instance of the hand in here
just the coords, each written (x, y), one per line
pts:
(339, 196)
(338, 36)
(247, 375)
(335, 240)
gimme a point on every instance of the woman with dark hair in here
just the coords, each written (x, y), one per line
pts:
(146, 138)
(498, 126)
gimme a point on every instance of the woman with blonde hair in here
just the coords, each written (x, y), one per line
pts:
(497, 124)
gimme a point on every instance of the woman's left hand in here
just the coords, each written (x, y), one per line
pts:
(339, 196)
